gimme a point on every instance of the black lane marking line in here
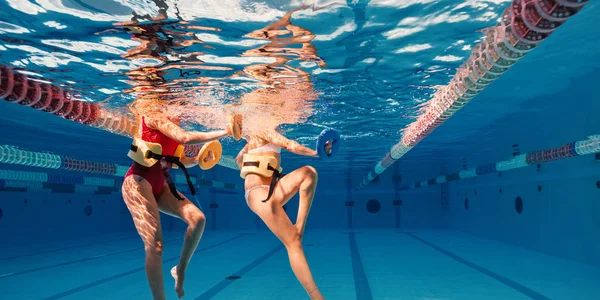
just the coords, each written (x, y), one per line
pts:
(213, 291)
(2, 276)
(123, 274)
(511, 283)
(68, 248)
(361, 282)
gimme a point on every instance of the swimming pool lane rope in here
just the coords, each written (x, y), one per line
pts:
(34, 180)
(19, 88)
(590, 145)
(523, 26)
(24, 181)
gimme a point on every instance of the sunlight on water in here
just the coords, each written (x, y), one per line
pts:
(177, 74)
(365, 68)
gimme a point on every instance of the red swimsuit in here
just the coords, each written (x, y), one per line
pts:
(154, 175)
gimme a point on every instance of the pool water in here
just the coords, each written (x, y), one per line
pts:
(362, 264)
(500, 201)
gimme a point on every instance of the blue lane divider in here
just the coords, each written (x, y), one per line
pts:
(123, 274)
(26, 181)
(361, 282)
(510, 283)
(213, 291)
(591, 145)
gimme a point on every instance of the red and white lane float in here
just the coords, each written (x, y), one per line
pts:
(18, 88)
(523, 26)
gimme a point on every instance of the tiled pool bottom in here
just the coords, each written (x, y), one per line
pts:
(363, 264)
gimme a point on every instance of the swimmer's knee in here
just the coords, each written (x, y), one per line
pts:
(198, 220)
(310, 178)
(295, 242)
(311, 173)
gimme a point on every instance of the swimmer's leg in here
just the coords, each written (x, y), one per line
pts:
(304, 181)
(279, 223)
(140, 201)
(191, 215)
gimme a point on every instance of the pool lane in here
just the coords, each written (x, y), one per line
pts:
(206, 270)
(549, 276)
(22, 251)
(401, 267)
(507, 281)
(26, 265)
(81, 271)
(328, 254)
(364, 264)
(361, 281)
(224, 283)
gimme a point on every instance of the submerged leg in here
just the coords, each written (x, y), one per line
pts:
(279, 223)
(140, 201)
(191, 215)
(307, 190)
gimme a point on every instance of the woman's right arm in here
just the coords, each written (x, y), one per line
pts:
(287, 144)
(181, 136)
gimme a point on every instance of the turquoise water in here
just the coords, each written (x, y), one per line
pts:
(423, 265)
(364, 68)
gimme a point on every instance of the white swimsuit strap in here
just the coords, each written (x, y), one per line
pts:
(266, 148)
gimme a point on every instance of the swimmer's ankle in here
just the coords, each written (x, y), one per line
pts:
(315, 294)
(181, 267)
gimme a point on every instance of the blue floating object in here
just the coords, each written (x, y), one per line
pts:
(325, 136)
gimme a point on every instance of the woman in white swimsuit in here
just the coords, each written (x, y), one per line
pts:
(267, 191)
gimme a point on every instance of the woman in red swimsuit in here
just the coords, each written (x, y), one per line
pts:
(147, 191)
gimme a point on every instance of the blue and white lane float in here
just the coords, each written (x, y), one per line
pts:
(13, 155)
(591, 145)
(15, 180)
(523, 26)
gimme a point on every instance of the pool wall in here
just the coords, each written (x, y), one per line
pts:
(39, 217)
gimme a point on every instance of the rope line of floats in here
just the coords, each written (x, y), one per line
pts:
(588, 146)
(12, 179)
(18, 88)
(523, 26)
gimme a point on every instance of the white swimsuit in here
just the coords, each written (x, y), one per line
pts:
(270, 147)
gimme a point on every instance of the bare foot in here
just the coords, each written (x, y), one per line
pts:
(178, 281)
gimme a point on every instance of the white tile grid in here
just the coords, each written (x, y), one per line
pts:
(550, 276)
(397, 266)
(403, 267)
